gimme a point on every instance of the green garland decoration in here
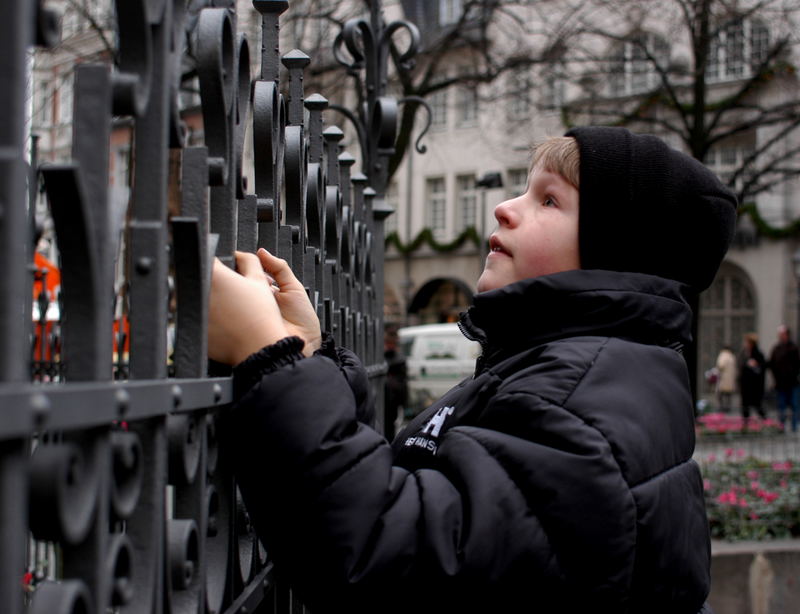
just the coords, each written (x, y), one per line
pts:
(426, 237)
(765, 229)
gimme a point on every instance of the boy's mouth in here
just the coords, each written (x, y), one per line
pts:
(496, 247)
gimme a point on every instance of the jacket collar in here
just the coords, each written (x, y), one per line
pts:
(633, 306)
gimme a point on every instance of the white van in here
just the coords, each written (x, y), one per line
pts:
(438, 357)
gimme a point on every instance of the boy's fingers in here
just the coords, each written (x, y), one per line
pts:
(249, 266)
(220, 271)
(278, 268)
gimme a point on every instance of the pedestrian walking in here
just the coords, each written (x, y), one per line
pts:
(784, 362)
(726, 378)
(751, 368)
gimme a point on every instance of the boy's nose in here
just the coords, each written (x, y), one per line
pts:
(503, 213)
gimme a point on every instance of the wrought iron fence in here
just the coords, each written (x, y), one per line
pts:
(115, 494)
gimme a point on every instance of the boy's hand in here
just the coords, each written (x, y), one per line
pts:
(243, 316)
(245, 309)
(298, 314)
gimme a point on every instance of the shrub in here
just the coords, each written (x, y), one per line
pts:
(748, 498)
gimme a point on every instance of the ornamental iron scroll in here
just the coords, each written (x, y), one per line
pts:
(364, 48)
(115, 493)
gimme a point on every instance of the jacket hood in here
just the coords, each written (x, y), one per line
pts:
(633, 306)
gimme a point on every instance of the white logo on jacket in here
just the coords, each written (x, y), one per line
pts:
(433, 427)
(435, 424)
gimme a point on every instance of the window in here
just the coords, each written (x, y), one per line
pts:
(438, 104)
(633, 64)
(120, 177)
(738, 50)
(80, 10)
(44, 104)
(519, 93)
(121, 162)
(436, 202)
(449, 11)
(99, 12)
(65, 102)
(517, 182)
(189, 94)
(759, 43)
(466, 203)
(553, 88)
(69, 23)
(727, 312)
(726, 157)
(467, 107)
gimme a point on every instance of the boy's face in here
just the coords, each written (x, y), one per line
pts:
(537, 233)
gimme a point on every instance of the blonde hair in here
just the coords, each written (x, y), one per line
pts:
(558, 154)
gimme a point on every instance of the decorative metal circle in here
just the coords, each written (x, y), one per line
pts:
(63, 493)
(182, 553)
(119, 570)
(66, 597)
(184, 448)
(245, 541)
(127, 470)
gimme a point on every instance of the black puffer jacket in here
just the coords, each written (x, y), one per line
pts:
(558, 479)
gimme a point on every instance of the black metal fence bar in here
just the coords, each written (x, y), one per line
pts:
(115, 490)
(16, 33)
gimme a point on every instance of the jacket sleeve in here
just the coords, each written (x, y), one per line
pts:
(353, 371)
(344, 522)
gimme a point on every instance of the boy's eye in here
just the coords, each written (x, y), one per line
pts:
(549, 202)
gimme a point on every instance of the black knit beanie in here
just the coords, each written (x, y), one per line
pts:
(648, 208)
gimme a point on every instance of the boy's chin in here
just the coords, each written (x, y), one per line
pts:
(487, 281)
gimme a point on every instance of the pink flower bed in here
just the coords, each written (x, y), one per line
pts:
(727, 424)
(747, 498)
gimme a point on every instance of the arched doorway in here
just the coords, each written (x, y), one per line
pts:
(728, 310)
(440, 300)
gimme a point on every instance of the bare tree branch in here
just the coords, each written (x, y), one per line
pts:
(688, 104)
(97, 28)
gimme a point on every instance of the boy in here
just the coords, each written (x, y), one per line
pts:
(559, 478)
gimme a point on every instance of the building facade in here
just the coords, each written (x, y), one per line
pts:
(484, 130)
(480, 135)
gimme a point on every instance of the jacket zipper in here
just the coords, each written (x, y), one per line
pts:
(481, 359)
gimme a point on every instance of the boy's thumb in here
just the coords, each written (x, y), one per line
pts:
(278, 268)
